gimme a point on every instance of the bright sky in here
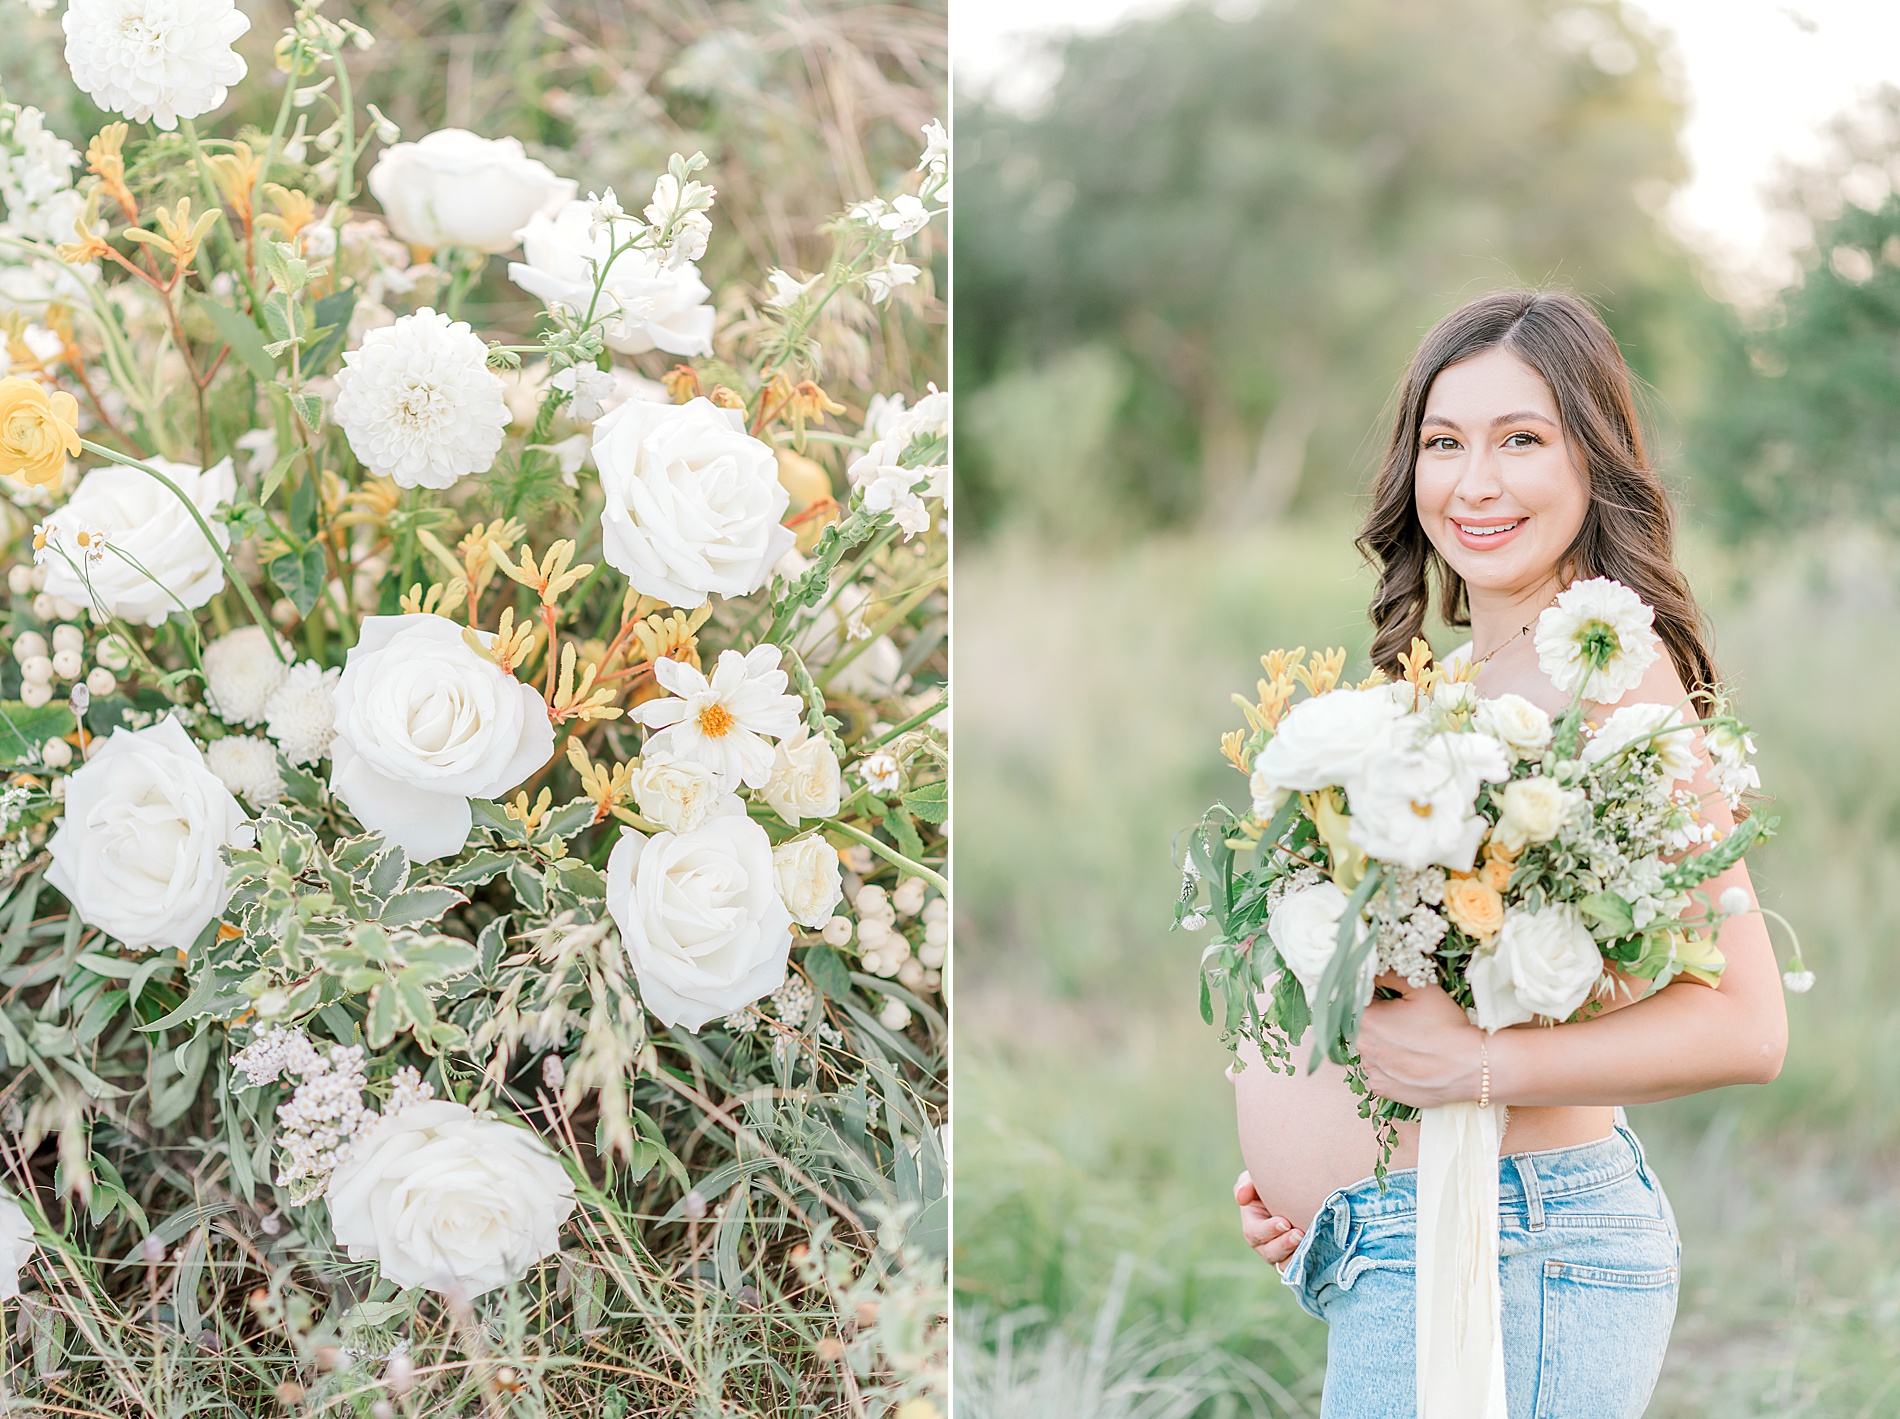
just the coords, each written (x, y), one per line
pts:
(1761, 77)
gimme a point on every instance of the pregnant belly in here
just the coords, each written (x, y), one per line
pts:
(1302, 1137)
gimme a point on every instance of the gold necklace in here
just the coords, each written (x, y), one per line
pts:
(1522, 631)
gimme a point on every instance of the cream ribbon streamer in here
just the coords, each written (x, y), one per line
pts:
(1460, 1330)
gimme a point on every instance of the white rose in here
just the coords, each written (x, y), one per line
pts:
(676, 793)
(645, 305)
(701, 917)
(1329, 738)
(16, 1245)
(805, 872)
(1413, 807)
(1545, 964)
(1304, 929)
(137, 850)
(437, 1197)
(1454, 696)
(1635, 723)
(806, 781)
(454, 188)
(1521, 725)
(423, 724)
(1533, 811)
(692, 501)
(144, 523)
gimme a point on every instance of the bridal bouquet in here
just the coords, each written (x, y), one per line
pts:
(1535, 868)
(473, 803)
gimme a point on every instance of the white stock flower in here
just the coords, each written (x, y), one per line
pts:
(700, 916)
(1413, 807)
(36, 183)
(936, 152)
(1534, 809)
(888, 486)
(1545, 963)
(301, 712)
(805, 874)
(1328, 739)
(786, 289)
(144, 520)
(157, 60)
(1594, 621)
(691, 501)
(1521, 726)
(806, 781)
(1304, 929)
(1632, 725)
(16, 1245)
(880, 281)
(904, 218)
(247, 766)
(419, 404)
(454, 188)
(423, 724)
(643, 305)
(590, 389)
(719, 720)
(137, 849)
(438, 1197)
(685, 209)
(242, 672)
(678, 794)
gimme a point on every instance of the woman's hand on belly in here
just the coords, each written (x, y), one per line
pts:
(1275, 1238)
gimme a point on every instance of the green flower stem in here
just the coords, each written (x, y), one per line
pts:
(909, 724)
(213, 203)
(243, 588)
(893, 618)
(891, 854)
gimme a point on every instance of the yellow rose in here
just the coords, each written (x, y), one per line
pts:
(1496, 872)
(1474, 907)
(37, 433)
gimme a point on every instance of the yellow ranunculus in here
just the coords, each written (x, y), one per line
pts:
(37, 432)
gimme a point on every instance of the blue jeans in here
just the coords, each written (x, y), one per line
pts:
(1589, 1261)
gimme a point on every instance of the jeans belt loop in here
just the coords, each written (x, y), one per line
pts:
(1636, 1147)
(1533, 1192)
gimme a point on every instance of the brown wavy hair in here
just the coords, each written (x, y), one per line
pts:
(1628, 530)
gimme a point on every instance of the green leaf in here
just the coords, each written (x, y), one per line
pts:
(274, 479)
(332, 315)
(24, 729)
(1610, 914)
(828, 973)
(1337, 1008)
(242, 335)
(929, 801)
(309, 408)
(484, 866)
(300, 577)
(420, 904)
(380, 1028)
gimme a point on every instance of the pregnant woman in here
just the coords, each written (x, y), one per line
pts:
(1515, 467)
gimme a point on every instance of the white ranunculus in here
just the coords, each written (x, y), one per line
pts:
(678, 794)
(1329, 738)
(1545, 963)
(1593, 620)
(144, 523)
(1414, 807)
(455, 188)
(701, 918)
(438, 1197)
(1534, 809)
(1521, 726)
(805, 871)
(1304, 929)
(1633, 724)
(692, 502)
(16, 1245)
(806, 781)
(161, 60)
(646, 305)
(137, 850)
(423, 724)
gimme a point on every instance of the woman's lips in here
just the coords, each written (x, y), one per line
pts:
(1483, 534)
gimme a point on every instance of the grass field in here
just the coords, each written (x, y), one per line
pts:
(1097, 1250)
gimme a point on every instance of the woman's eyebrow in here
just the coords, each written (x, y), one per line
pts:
(1520, 415)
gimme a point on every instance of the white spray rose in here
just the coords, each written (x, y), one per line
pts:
(678, 794)
(1328, 739)
(692, 502)
(646, 305)
(1545, 964)
(423, 724)
(805, 872)
(438, 1197)
(453, 188)
(144, 519)
(1304, 929)
(1522, 727)
(1633, 724)
(806, 781)
(16, 1245)
(1414, 807)
(701, 918)
(1534, 809)
(137, 850)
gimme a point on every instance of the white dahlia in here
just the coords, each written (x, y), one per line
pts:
(301, 714)
(247, 766)
(1597, 637)
(419, 404)
(242, 672)
(719, 721)
(156, 60)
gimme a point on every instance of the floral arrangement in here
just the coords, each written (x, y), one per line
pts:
(452, 778)
(1535, 868)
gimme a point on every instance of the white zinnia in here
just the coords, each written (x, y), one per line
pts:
(16, 1245)
(455, 188)
(690, 501)
(806, 781)
(1521, 726)
(301, 713)
(1328, 739)
(247, 766)
(1545, 963)
(1633, 725)
(419, 403)
(642, 305)
(439, 1197)
(242, 672)
(157, 60)
(1610, 620)
(805, 873)
(719, 721)
(1304, 929)
(1414, 807)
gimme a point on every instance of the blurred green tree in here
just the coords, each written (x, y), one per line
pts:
(1206, 258)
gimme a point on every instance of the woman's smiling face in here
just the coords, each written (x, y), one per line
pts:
(1498, 489)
